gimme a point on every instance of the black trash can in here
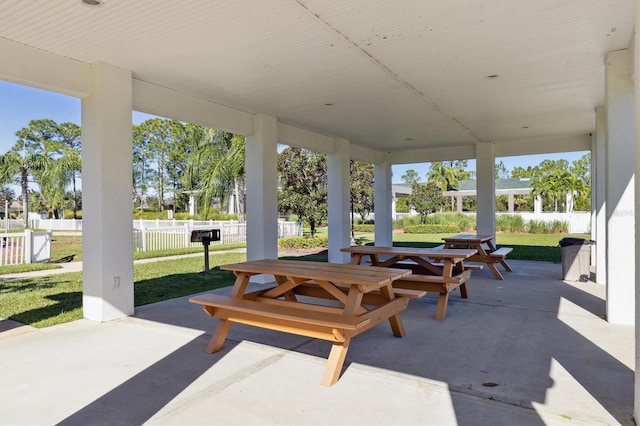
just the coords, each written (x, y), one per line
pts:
(576, 258)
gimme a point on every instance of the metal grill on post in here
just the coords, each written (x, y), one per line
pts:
(205, 236)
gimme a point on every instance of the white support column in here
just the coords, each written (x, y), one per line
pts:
(486, 189)
(394, 212)
(339, 180)
(511, 203)
(599, 193)
(636, 90)
(568, 202)
(537, 204)
(620, 167)
(382, 204)
(262, 189)
(459, 203)
(106, 188)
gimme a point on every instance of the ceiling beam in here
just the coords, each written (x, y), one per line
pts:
(36, 68)
(163, 102)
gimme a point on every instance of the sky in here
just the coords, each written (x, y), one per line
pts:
(21, 104)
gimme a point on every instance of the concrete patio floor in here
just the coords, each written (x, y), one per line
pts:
(529, 350)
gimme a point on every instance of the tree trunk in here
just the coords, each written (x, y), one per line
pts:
(75, 197)
(24, 183)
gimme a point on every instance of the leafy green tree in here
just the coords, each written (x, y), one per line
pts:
(581, 187)
(362, 188)
(153, 140)
(523, 202)
(402, 206)
(410, 176)
(443, 176)
(221, 157)
(67, 167)
(447, 175)
(143, 173)
(426, 199)
(501, 170)
(7, 194)
(31, 157)
(550, 180)
(522, 173)
(303, 185)
(177, 156)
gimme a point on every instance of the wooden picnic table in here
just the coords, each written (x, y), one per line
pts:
(487, 252)
(433, 270)
(362, 298)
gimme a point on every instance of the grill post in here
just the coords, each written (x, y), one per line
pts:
(205, 236)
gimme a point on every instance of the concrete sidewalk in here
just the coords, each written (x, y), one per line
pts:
(529, 350)
(77, 266)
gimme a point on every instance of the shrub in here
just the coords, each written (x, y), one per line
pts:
(68, 214)
(431, 229)
(364, 228)
(542, 227)
(460, 221)
(406, 221)
(303, 242)
(510, 223)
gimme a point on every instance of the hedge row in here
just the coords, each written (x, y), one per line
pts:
(303, 242)
(364, 228)
(431, 229)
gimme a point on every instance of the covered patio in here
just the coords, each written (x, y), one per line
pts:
(529, 350)
(376, 81)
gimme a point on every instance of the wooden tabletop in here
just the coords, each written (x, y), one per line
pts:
(345, 273)
(431, 253)
(471, 238)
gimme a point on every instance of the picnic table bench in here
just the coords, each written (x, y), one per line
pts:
(362, 298)
(487, 252)
(433, 270)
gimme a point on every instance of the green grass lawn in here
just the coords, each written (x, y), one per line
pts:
(55, 299)
(542, 247)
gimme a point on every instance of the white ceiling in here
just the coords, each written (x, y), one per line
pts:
(398, 74)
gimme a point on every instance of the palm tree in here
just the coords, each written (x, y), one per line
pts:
(443, 176)
(16, 166)
(220, 159)
(70, 161)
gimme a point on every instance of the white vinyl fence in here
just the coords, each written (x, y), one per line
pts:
(25, 247)
(9, 224)
(57, 224)
(156, 235)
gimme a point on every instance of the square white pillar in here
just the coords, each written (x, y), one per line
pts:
(339, 197)
(382, 193)
(598, 197)
(107, 234)
(620, 169)
(636, 91)
(262, 189)
(486, 189)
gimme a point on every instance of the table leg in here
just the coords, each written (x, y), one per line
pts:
(495, 271)
(503, 262)
(395, 321)
(335, 362)
(441, 310)
(219, 336)
(505, 265)
(222, 327)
